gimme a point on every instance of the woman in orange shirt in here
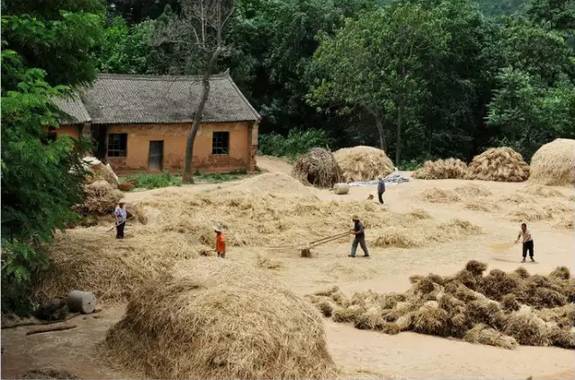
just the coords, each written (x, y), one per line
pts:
(220, 243)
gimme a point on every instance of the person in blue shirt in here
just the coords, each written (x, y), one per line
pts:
(121, 215)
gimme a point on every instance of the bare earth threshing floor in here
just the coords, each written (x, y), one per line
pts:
(496, 208)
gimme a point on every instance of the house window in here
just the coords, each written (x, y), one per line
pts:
(117, 143)
(221, 143)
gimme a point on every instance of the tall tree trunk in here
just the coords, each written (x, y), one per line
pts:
(398, 137)
(187, 176)
(380, 130)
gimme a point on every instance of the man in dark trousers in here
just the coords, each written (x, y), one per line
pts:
(380, 189)
(359, 232)
(527, 240)
(121, 215)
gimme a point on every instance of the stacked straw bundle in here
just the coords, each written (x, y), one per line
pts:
(442, 169)
(554, 163)
(362, 163)
(219, 320)
(100, 198)
(498, 164)
(317, 167)
(97, 170)
(500, 309)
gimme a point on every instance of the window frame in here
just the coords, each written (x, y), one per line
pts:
(117, 150)
(216, 148)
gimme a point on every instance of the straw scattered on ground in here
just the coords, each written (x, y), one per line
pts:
(318, 167)
(361, 163)
(500, 309)
(554, 163)
(441, 169)
(498, 164)
(220, 320)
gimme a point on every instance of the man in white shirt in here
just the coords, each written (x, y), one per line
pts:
(527, 240)
(121, 215)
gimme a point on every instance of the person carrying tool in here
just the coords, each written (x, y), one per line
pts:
(121, 215)
(380, 189)
(359, 232)
(527, 239)
(220, 243)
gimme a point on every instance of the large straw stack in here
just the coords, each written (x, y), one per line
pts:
(219, 320)
(363, 163)
(554, 163)
(442, 169)
(100, 198)
(318, 167)
(498, 164)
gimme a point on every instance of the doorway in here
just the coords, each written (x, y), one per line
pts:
(156, 155)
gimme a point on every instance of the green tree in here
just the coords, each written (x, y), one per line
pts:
(47, 44)
(378, 63)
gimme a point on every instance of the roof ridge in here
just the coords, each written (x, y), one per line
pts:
(154, 77)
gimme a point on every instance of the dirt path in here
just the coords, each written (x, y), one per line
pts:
(358, 353)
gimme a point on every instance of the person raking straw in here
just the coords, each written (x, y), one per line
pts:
(527, 239)
(220, 242)
(121, 215)
(359, 232)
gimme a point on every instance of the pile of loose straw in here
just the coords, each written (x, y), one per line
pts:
(554, 163)
(362, 163)
(498, 164)
(500, 309)
(442, 169)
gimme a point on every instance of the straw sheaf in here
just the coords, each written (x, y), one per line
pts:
(498, 164)
(361, 163)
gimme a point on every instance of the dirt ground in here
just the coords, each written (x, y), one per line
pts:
(361, 353)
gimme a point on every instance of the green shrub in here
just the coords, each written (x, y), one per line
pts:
(154, 181)
(297, 141)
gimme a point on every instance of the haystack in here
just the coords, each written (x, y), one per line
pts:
(498, 164)
(97, 170)
(441, 169)
(317, 167)
(554, 163)
(100, 198)
(362, 163)
(220, 320)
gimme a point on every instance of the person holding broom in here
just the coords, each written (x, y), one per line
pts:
(359, 232)
(220, 242)
(527, 239)
(121, 215)
(380, 189)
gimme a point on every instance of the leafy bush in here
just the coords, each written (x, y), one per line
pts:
(154, 181)
(296, 142)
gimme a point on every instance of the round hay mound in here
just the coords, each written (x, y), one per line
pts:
(97, 170)
(441, 169)
(498, 164)
(100, 198)
(362, 163)
(317, 167)
(554, 163)
(219, 320)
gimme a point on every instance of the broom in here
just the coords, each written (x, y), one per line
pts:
(501, 247)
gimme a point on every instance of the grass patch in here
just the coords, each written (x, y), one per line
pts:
(154, 181)
(218, 177)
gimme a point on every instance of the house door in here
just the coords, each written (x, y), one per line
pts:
(156, 155)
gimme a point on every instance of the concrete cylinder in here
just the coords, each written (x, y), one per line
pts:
(82, 302)
(341, 188)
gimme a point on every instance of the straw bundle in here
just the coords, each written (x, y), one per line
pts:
(441, 169)
(554, 163)
(100, 198)
(220, 321)
(449, 306)
(317, 167)
(435, 195)
(498, 164)
(362, 163)
(99, 171)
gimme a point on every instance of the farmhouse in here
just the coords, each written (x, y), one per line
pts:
(140, 122)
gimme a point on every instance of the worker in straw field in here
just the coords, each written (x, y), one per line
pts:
(527, 239)
(380, 189)
(220, 242)
(121, 215)
(359, 232)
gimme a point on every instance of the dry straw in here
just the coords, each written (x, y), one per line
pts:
(100, 198)
(498, 164)
(554, 163)
(441, 169)
(362, 163)
(219, 320)
(500, 309)
(318, 167)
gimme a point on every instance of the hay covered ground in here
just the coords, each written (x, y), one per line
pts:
(414, 233)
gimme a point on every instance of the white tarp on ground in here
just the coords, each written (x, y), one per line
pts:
(394, 178)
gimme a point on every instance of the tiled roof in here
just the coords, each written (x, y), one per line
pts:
(73, 110)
